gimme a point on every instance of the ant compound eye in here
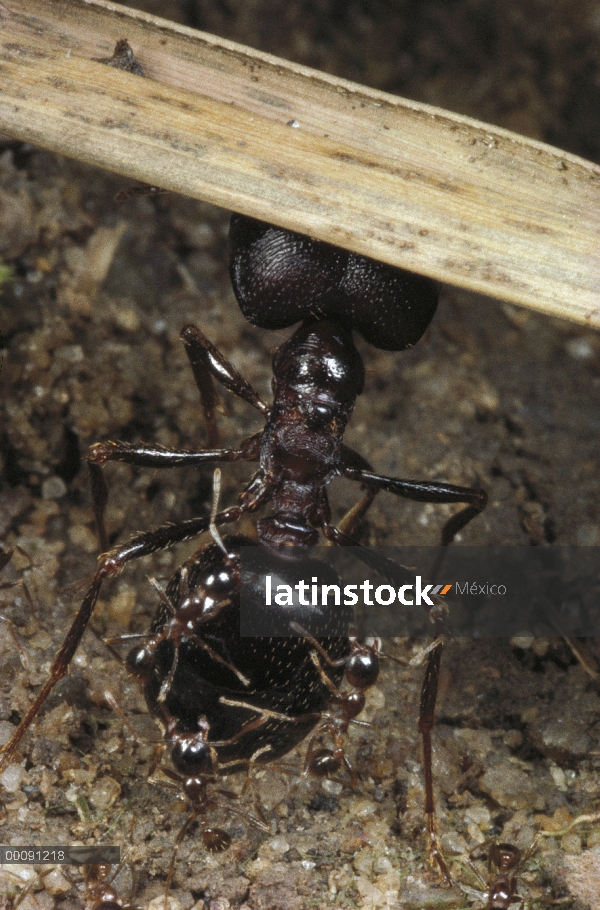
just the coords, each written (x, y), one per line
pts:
(362, 669)
(191, 756)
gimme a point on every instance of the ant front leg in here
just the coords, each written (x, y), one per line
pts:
(146, 456)
(206, 362)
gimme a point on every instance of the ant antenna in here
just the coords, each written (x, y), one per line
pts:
(213, 514)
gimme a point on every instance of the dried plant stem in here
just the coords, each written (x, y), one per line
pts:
(412, 185)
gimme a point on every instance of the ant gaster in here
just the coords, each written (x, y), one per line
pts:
(254, 702)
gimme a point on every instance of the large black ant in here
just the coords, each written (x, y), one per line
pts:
(227, 703)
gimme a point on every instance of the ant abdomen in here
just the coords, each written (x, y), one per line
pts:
(362, 669)
(280, 277)
(324, 763)
(140, 663)
(215, 840)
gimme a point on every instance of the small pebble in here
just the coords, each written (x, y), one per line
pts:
(588, 534)
(383, 866)
(11, 778)
(509, 786)
(278, 846)
(39, 901)
(81, 536)
(558, 776)
(523, 640)
(127, 319)
(53, 488)
(332, 787)
(480, 816)
(159, 903)
(579, 349)
(6, 731)
(55, 883)
(104, 793)
(571, 843)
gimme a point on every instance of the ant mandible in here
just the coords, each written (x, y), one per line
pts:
(279, 278)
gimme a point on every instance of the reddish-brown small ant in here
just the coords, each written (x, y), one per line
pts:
(100, 893)
(504, 863)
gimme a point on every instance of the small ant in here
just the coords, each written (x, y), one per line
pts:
(504, 862)
(99, 891)
(226, 702)
(361, 671)
(502, 890)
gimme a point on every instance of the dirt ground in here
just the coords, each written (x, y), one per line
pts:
(492, 396)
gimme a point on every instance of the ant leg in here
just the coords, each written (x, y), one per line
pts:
(353, 517)
(208, 395)
(263, 716)
(110, 564)
(24, 657)
(207, 360)
(178, 841)
(399, 574)
(146, 456)
(427, 491)
(429, 692)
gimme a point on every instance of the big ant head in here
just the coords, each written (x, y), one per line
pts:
(280, 278)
